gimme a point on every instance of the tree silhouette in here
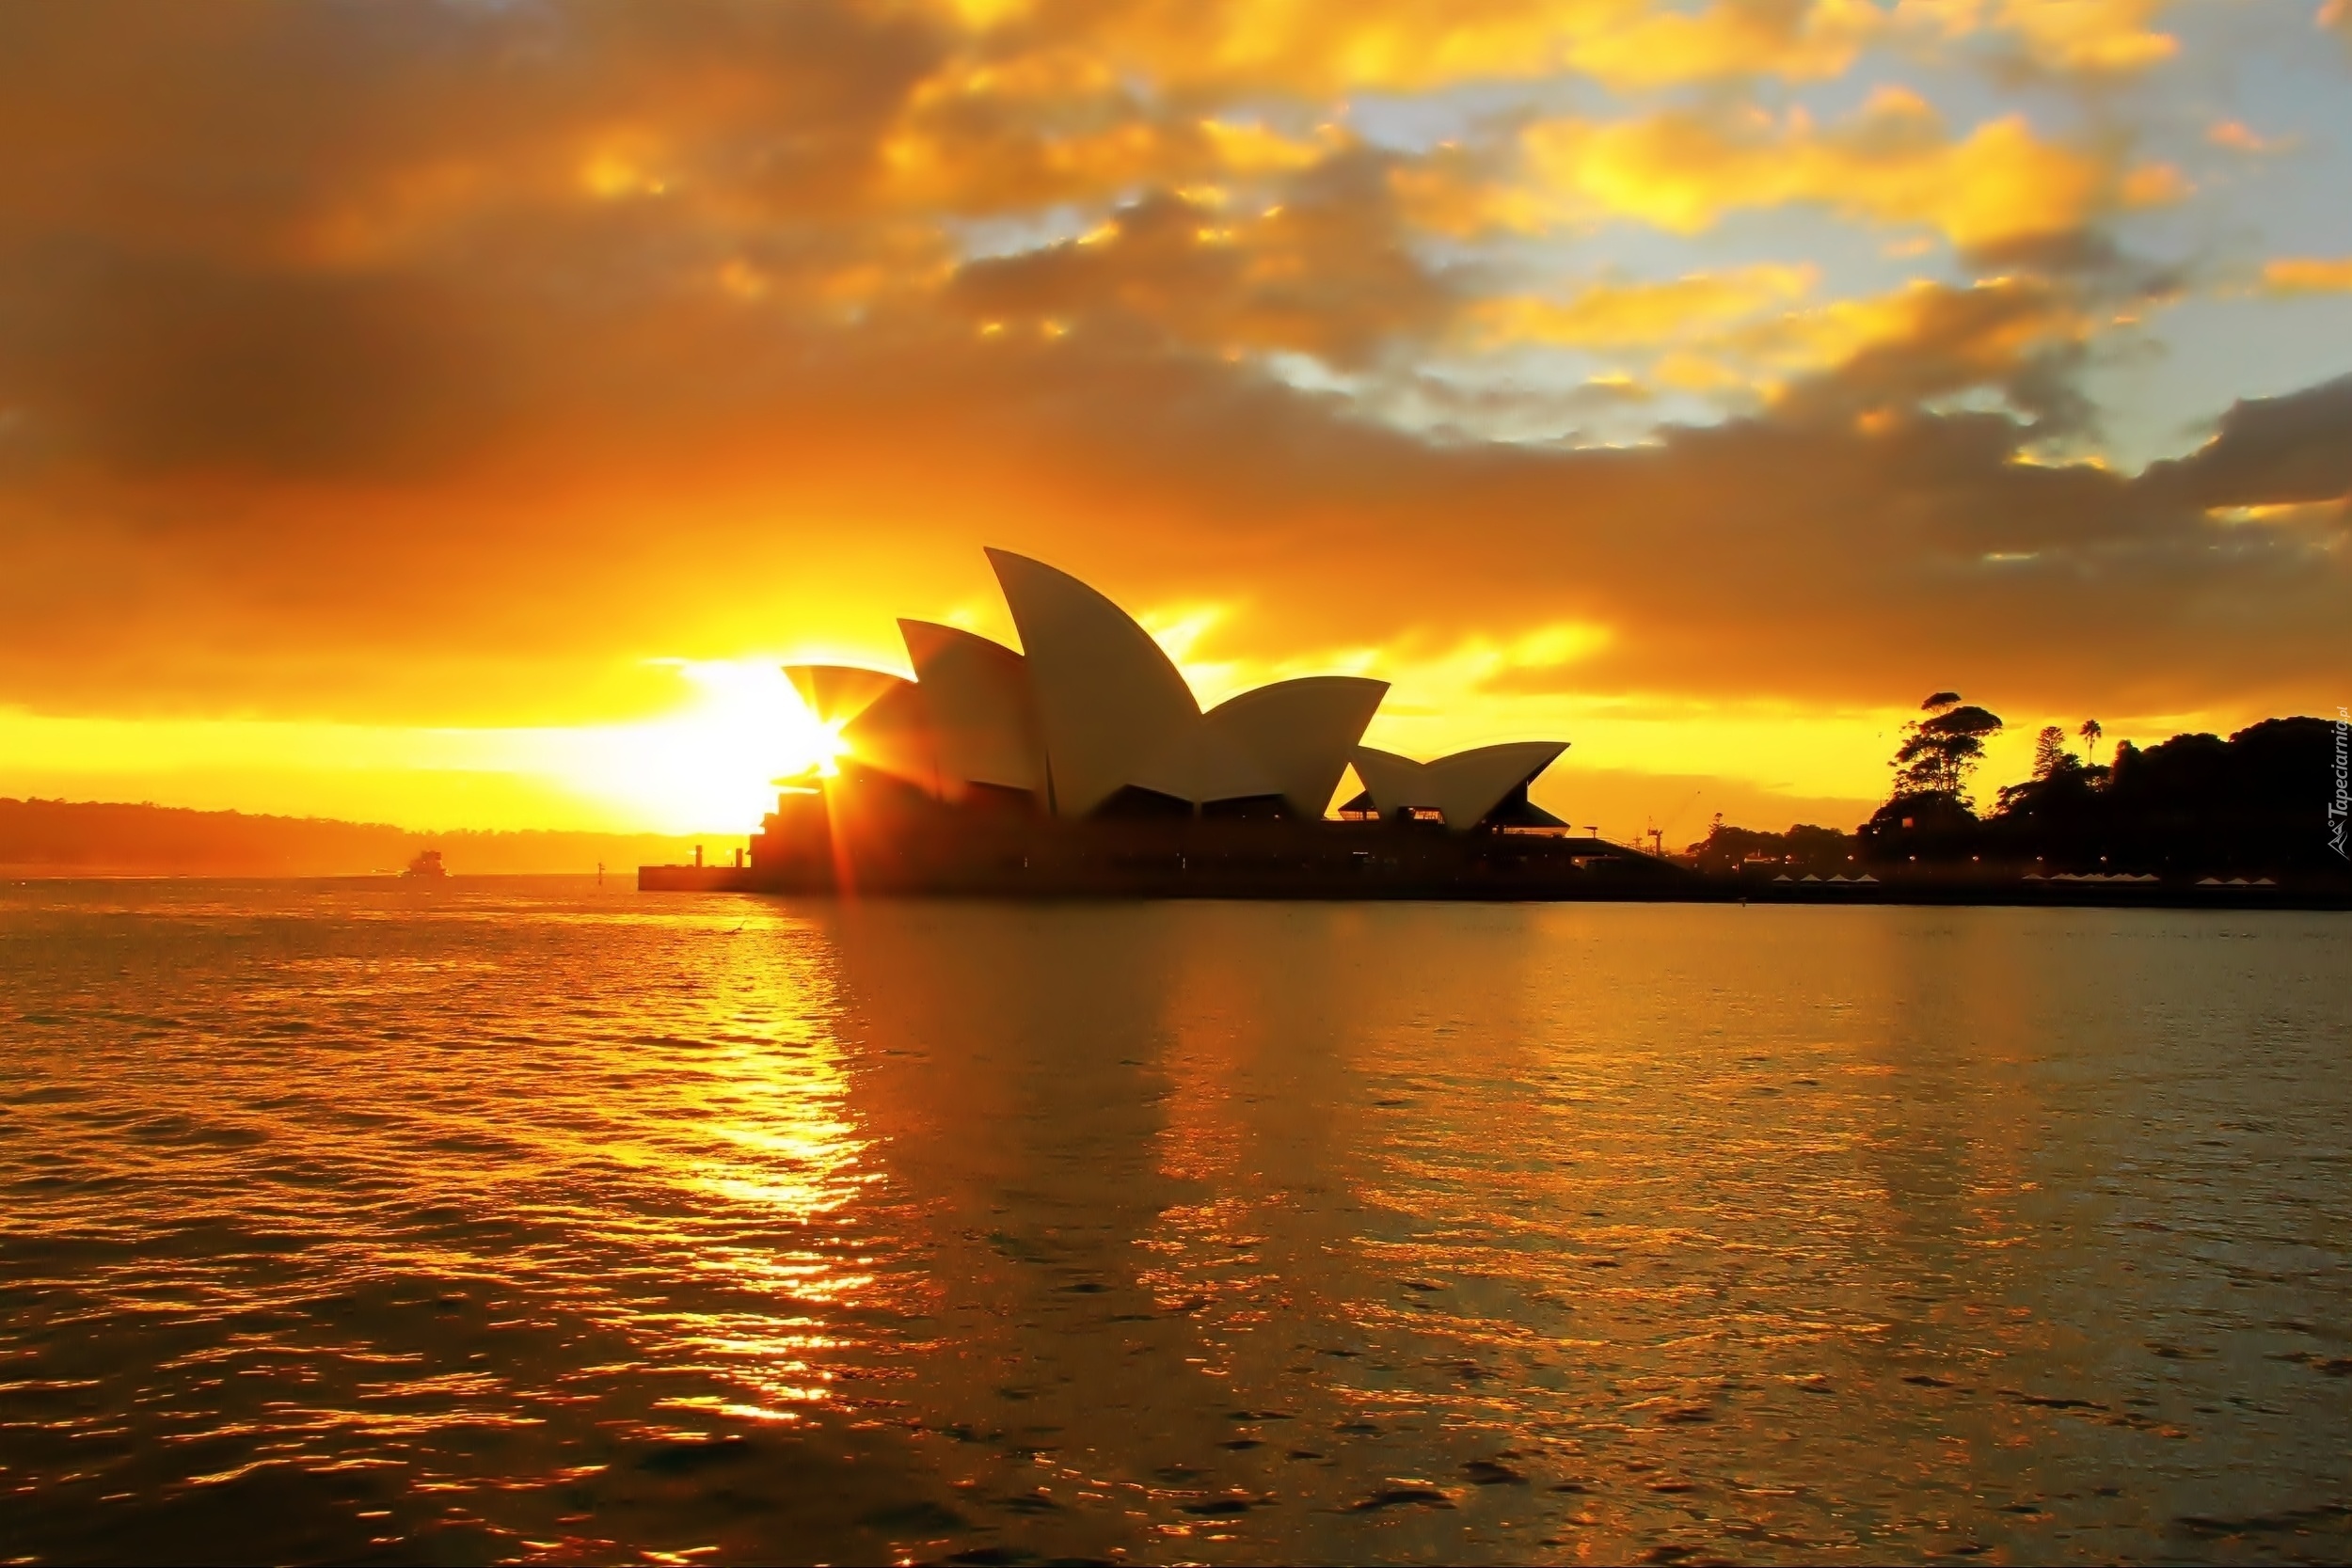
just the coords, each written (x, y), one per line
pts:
(2091, 732)
(1940, 751)
(2050, 755)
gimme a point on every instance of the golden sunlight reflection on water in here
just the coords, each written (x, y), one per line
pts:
(536, 1220)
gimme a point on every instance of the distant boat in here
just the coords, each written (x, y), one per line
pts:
(427, 863)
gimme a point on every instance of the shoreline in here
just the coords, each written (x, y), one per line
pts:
(731, 880)
(2166, 895)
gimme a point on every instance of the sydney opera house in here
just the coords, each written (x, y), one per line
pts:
(1083, 763)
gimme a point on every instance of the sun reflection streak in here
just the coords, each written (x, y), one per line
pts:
(1206, 1254)
(777, 1153)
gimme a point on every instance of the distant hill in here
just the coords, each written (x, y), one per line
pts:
(63, 838)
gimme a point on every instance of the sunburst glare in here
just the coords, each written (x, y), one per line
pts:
(713, 765)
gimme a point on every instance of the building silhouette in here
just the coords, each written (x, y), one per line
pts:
(1083, 764)
(1092, 719)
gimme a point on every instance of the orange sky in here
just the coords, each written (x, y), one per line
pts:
(450, 414)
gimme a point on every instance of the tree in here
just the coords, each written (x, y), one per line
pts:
(2091, 732)
(2050, 755)
(1824, 851)
(2194, 805)
(1940, 751)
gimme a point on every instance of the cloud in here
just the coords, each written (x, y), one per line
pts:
(439, 363)
(1811, 559)
(2090, 36)
(984, 137)
(1893, 162)
(1325, 272)
(2307, 274)
(1758, 37)
(1617, 315)
(2075, 38)
(1833, 360)
(1928, 341)
(1321, 48)
(2238, 137)
(2266, 451)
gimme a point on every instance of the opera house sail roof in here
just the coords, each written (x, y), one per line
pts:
(1091, 717)
(1463, 789)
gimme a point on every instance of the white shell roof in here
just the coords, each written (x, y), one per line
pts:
(1110, 702)
(1300, 730)
(1462, 787)
(1092, 705)
(981, 711)
(1201, 763)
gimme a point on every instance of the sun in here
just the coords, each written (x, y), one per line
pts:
(713, 765)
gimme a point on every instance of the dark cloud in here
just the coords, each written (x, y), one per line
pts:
(144, 362)
(2016, 336)
(2085, 249)
(1327, 273)
(2270, 452)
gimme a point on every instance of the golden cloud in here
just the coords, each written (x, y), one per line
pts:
(1894, 162)
(1318, 49)
(1742, 331)
(1325, 272)
(1324, 49)
(2307, 274)
(986, 136)
(1035, 105)
(1638, 315)
(1867, 358)
(1662, 48)
(2089, 35)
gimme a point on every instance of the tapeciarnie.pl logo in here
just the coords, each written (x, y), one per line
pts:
(2336, 808)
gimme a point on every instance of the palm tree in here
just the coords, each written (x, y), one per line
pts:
(2091, 732)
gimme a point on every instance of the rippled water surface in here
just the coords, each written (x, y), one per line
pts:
(515, 1219)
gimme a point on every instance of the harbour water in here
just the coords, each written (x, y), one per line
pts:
(512, 1219)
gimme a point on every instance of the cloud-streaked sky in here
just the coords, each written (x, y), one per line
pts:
(447, 412)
